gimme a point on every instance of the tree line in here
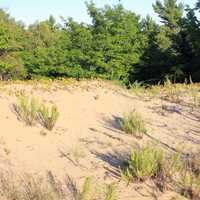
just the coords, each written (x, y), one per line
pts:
(117, 45)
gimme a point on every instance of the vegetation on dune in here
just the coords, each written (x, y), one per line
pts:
(174, 171)
(117, 45)
(27, 109)
(48, 117)
(29, 187)
(132, 123)
(145, 163)
(30, 110)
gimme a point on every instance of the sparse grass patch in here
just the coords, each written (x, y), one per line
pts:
(194, 93)
(152, 163)
(144, 163)
(174, 171)
(188, 182)
(48, 116)
(172, 92)
(29, 187)
(30, 110)
(110, 192)
(189, 185)
(91, 192)
(87, 192)
(27, 109)
(174, 95)
(137, 88)
(155, 91)
(132, 123)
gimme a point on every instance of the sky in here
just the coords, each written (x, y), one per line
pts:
(29, 11)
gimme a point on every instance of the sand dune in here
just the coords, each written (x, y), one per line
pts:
(86, 140)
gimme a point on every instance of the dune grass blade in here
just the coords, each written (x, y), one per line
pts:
(48, 116)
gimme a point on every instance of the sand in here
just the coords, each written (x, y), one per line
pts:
(86, 141)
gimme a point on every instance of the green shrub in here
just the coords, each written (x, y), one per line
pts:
(27, 109)
(132, 123)
(144, 163)
(48, 116)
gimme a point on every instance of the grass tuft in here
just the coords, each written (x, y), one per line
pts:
(132, 123)
(27, 109)
(48, 116)
(144, 163)
(30, 110)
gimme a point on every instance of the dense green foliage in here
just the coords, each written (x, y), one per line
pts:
(117, 45)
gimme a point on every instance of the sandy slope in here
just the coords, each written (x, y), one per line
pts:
(86, 140)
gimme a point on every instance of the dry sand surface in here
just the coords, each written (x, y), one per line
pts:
(86, 141)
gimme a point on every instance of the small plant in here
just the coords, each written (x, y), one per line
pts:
(132, 123)
(27, 109)
(87, 192)
(110, 192)
(189, 177)
(144, 163)
(173, 93)
(190, 185)
(48, 117)
(194, 93)
(155, 91)
(137, 88)
(91, 192)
